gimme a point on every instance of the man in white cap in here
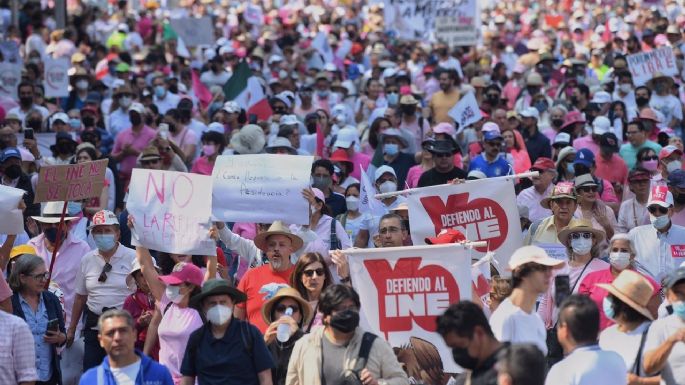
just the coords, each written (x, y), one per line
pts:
(515, 319)
(102, 283)
(537, 144)
(346, 139)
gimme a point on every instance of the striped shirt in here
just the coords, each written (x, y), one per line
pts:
(18, 360)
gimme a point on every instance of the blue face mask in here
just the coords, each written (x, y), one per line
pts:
(570, 169)
(679, 309)
(608, 308)
(392, 98)
(105, 242)
(74, 208)
(75, 123)
(391, 149)
(160, 91)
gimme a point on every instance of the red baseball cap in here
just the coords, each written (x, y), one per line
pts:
(542, 164)
(668, 150)
(446, 236)
(184, 272)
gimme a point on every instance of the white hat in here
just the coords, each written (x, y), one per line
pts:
(601, 125)
(231, 107)
(476, 174)
(287, 120)
(330, 67)
(137, 107)
(530, 112)
(280, 142)
(226, 49)
(122, 27)
(59, 116)
(104, 218)
(384, 170)
(283, 98)
(659, 195)
(562, 137)
(396, 133)
(275, 58)
(249, 140)
(216, 127)
(52, 212)
(601, 97)
(346, 137)
(535, 254)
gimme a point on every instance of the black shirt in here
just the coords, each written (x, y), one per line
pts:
(401, 165)
(485, 374)
(537, 145)
(336, 203)
(281, 353)
(433, 178)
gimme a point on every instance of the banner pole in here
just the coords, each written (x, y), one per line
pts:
(415, 189)
(58, 243)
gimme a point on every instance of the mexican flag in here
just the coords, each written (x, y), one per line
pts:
(246, 90)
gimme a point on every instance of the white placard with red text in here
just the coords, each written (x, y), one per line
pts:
(483, 210)
(403, 289)
(644, 65)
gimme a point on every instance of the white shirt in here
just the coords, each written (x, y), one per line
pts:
(631, 214)
(625, 344)
(118, 121)
(588, 365)
(126, 375)
(673, 372)
(660, 253)
(371, 222)
(530, 198)
(209, 78)
(511, 323)
(668, 105)
(170, 101)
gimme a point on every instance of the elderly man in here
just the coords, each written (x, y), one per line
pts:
(541, 188)
(101, 284)
(633, 211)
(261, 283)
(444, 169)
(225, 342)
(562, 202)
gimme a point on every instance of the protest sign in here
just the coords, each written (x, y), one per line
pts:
(71, 182)
(172, 211)
(261, 188)
(466, 111)
(10, 76)
(555, 250)
(253, 14)
(644, 65)
(56, 81)
(483, 210)
(320, 43)
(193, 30)
(415, 19)
(12, 219)
(460, 29)
(403, 290)
(10, 51)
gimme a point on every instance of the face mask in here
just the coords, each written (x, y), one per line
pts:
(408, 109)
(352, 203)
(392, 98)
(321, 182)
(608, 308)
(625, 88)
(82, 84)
(34, 124)
(322, 94)
(581, 246)
(345, 321)
(125, 102)
(13, 171)
(650, 165)
(641, 101)
(574, 100)
(619, 260)
(75, 123)
(88, 121)
(135, 119)
(679, 309)
(74, 208)
(569, 169)
(387, 187)
(493, 100)
(208, 149)
(391, 149)
(50, 234)
(674, 165)
(26, 101)
(659, 222)
(219, 314)
(174, 293)
(160, 91)
(462, 358)
(541, 106)
(105, 242)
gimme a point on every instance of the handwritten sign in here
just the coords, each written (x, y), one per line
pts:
(56, 79)
(465, 112)
(71, 182)
(261, 188)
(10, 76)
(555, 250)
(12, 219)
(644, 65)
(460, 29)
(171, 211)
(194, 31)
(416, 19)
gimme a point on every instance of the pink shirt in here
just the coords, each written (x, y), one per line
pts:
(588, 286)
(613, 170)
(360, 159)
(174, 331)
(245, 230)
(137, 140)
(586, 142)
(202, 166)
(413, 175)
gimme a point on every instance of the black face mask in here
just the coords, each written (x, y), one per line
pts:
(493, 100)
(65, 148)
(641, 101)
(88, 121)
(184, 114)
(51, 234)
(462, 358)
(408, 109)
(557, 122)
(26, 101)
(345, 321)
(173, 88)
(311, 127)
(34, 124)
(135, 118)
(13, 171)
(574, 100)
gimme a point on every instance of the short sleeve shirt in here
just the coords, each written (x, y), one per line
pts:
(660, 330)
(260, 284)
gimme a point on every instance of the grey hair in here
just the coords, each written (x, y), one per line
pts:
(623, 237)
(115, 313)
(24, 265)
(558, 107)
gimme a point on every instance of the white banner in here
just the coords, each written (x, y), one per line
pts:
(462, 28)
(465, 112)
(403, 290)
(415, 19)
(171, 211)
(12, 219)
(56, 79)
(483, 210)
(10, 76)
(644, 65)
(261, 188)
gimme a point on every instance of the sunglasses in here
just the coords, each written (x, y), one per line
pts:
(442, 154)
(657, 209)
(148, 162)
(651, 157)
(282, 308)
(581, 235)
(103, 275)
(310, 273)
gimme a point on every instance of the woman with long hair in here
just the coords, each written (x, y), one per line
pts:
(517, 148)
(311, 277)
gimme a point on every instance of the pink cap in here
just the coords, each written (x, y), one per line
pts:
(668, 150)
(490, 126)
(319, 194)
(445, 128)
(184, 272)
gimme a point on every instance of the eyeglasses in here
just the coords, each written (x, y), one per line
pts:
(586, 189)
(283, 308)
(39, 276)
(105, 269)
(650, 157)
(391, 230)
(310, 273)
(581, 235)
(659, 209)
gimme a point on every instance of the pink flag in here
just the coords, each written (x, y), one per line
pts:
(201, 91)
(319, 141)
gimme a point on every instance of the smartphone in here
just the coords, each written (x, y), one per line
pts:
(164, 131)
(562, 289)
(53, 325)
(28, 133)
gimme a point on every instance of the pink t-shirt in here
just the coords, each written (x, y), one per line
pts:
(586, 142)
(5, 291)
(613, 170)
(588, 286)
(360, 159)
(202, 166)
(137, 140)
(174, 331)
(413, 175)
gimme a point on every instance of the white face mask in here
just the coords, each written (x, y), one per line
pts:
(82, 84)
(125, 102)
(219, 314)
(581, 246)
(659, 222)
(352, 203)
(625, 88)
(619, 260)
(387, 187)
(674, 165)
(174, 293)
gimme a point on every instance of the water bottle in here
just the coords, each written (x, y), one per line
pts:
(283, 331)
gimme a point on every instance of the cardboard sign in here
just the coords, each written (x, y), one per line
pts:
(403, 290)
(555, 250)
(12, 219)
(644, 65)
(56, 79)
(415, 19)
(465, 112)
(460, 29)
(194, 31)
(171, 211)
(261, 188)
(483, 210)
(10, 76)
(71, 182)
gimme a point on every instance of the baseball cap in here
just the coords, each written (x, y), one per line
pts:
(610, 140)
(446, 236)
(288, 120)
(10, 152)
(346, 137)
(542, 164)
(61, 116)
(601, 97)
(383, 170)
(444, 128)
(104, 218)
(562, 139)
(184, 272)
(137, 107)
(530, 112)
(660, 196)
(636, 175)
(585, 157)
(601, 125)
(532, 254)
(21, 250)
(491, 135)
(676, 179)
(668, 150)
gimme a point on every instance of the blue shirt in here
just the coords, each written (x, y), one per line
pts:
(499, 167)
(38, 323)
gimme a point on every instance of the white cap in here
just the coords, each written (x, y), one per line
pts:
(601, 125)
(601, 97)
(384, 170)
(530, 112)
(231, 107)
(275, 58)
(346, 138)
(659, 195)
(535, 254)
(226, 49)
(104, 218)
(288, 120)
(216, 127)
(562, 137)
(137, 107)
(59, 116)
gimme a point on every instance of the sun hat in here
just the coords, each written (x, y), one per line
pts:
(150, 152)
(446, 236)
(442, 147)
(572, 117)
(633, 289)
(394, 132)
(280, 142)
(580, 226)
(340, 155)
(286, 292)
(249, 140)
(563, 153)
(184, 272)
(104, 218)
(277, 228)
(532, 254)
(217, 286)
(668, 151)
(584, 180)
(561, 190)
(52, 213)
